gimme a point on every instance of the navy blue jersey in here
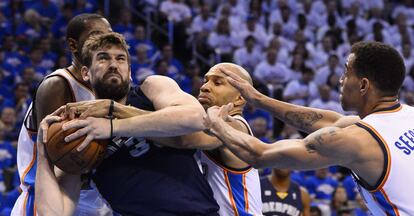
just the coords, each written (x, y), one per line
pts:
(281, 203)
(140, 178)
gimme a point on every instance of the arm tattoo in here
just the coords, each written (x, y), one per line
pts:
(310, 147)
(302, 119)
(319, 140)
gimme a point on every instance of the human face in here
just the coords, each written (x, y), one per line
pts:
(110, 73)
(216, 91)
(349, 86)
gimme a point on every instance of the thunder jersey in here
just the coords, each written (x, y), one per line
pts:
(140, 178)
(393, 128)
(236, 191)
(276, 203)
(26, 147)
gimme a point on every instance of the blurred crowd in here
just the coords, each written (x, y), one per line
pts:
(294, 49)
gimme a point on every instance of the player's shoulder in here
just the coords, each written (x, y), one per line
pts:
(54, 84)
(157, 80)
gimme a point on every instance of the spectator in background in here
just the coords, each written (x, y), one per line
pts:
(287, 20)
(12, 60)
(141, 63)
(29, 77)
(321, 186)
(203, 23)
(252, 28)
(249, 55)
(32, 27)
(323, 50)
(407, 54)
(59, 26)
(178, 14)
(47, 9)
(140, 39)
(315, 211)
(49, 57)
(379, 34)
(281, 196)
(302, 91)
(270, 72)
(339, 201)
(361, 209)
(124, 25)
(8, 118)
(260, 129)
(332, 68)
(325, 100)
(174, 65)
(21, 101)
(61, 62)
(233, 9)
(41, 66)
(223, 40)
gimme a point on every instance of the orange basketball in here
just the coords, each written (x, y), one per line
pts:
(66, 157)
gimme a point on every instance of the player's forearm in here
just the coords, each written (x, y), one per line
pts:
(197, 140)
(167, 122)
(49, 197)
(246, 147)
(303, 118)
(124, 111)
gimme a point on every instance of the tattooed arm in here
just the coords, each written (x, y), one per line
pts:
(325, 147)
(303, 118)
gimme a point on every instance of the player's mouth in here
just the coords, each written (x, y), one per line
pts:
(202, 98)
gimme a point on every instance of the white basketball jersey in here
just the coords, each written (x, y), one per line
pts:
(26, 148)
(237, 192)
(393, 128)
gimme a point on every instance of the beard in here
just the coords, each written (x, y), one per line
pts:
(106, 89)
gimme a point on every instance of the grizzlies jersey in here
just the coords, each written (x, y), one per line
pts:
(393, 128)
(236, 191)
(276, 203)
(26, 147)
(140, 178)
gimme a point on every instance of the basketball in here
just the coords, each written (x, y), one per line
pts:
(66, 157)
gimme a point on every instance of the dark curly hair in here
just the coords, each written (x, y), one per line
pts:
(381, 64)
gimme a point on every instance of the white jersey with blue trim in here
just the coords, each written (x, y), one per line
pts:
(393, 128)
(236, 191)
(26, 151)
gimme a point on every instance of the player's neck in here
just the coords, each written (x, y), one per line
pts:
(379, 104)
(281, 184)
(75, 70)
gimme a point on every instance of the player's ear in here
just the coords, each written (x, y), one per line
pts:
(240, 101)
(85, 73)
(364, 86)
(72, 44)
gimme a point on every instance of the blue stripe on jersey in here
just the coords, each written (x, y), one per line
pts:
(237, 190)
(30, 202)
(384, 203)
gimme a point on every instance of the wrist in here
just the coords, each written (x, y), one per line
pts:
(257, 98)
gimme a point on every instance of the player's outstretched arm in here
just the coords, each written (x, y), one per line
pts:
(100, 109)
(322, 148)
(177, 113)
(56, 194)
(303, 118)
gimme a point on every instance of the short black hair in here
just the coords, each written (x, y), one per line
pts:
(381, 64)
(78, 24)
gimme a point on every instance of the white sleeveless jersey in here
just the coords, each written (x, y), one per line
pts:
(26, 148)
(393, 128)
(237, 192)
